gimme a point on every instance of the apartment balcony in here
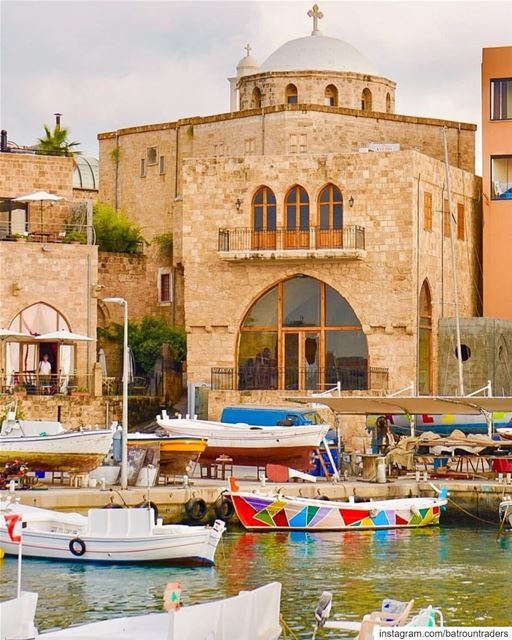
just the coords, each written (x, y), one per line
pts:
(49, 232)
(238, 244)
(247, 378)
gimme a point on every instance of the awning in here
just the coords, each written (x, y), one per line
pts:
(412, 405)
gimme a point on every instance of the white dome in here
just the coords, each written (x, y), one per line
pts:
(246, 66)
(319, 53)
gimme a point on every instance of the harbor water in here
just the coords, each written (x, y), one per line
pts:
(466, 571)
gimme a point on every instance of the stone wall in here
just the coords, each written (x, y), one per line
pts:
(489, 341)
(21, 174)
(311, 86)
(382, 287)
(85, 411)
(135, 278)
(60, 275)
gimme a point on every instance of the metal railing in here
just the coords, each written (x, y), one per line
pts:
(282, 238)
(30, 383)
(355, 378)
(139, 386)
(48, 232)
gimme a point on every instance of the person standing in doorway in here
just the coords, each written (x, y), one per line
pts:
(45, 372)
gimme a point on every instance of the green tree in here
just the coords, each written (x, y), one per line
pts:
(114, 231)
(146, 339)
(56, 142)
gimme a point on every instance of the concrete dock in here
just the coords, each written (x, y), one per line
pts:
(470, 500)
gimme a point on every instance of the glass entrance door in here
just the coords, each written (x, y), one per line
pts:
(291, 360)
(301, 360)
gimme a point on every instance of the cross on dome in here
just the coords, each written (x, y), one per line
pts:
(317, 15)
(248, 48)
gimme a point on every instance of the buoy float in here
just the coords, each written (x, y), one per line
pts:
(2, 554)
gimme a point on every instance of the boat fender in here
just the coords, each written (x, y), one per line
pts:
(373, 513)
(196, 509)
(145, 504)
(224, 509)
(77, 547)
(415, 511)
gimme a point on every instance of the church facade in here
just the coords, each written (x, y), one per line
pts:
(310, 224)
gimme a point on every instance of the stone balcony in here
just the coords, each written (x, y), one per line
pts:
(292, 245)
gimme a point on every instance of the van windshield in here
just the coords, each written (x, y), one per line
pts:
(314, 418)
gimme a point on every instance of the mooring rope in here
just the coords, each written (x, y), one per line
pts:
(287, 629)
(471, 515)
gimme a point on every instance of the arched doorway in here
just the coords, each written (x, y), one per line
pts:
(22, 360)
(301, 334)
(425, 341)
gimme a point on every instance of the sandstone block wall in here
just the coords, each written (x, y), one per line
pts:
(21, 174)
(311, 86)
(490, 348)
(382, 288)
(62, 276)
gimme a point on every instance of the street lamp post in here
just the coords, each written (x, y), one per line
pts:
(124, 441)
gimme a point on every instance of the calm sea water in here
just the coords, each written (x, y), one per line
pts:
(465, 571)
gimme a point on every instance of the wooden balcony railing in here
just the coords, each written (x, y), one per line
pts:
(282, 238)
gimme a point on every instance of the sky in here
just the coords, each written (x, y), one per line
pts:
(111, 64)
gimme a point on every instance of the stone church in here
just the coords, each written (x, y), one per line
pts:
(311, 227)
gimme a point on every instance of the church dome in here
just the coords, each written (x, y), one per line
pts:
(319, 53)
(247, 64)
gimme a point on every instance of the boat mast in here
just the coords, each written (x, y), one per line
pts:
(454, 269)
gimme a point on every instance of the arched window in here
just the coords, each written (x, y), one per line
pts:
(256, 98)
(366, 100)
(331, 96)
(302, 334)
(297, 218)
(425, 341)
(22, 360)
(330, 217)
(388, 103)
(291, 94)
(264, 219)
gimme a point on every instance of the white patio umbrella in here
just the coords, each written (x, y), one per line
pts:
(15, 336)
(39, 196)
(62, 336)
(102, 360)
(131, 366)
(10, 335)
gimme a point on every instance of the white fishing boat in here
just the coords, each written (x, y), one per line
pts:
(108, 535)
(505, 513)
(393, 613)
(251, 445)
(46, 446)
(251, 615)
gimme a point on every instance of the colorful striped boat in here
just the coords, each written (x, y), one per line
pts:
(264, 512)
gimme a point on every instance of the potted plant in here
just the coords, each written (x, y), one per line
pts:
(19, 390)
(75, 237)
(80, 391)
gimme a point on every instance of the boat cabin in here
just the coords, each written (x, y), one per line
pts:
(270, 416)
